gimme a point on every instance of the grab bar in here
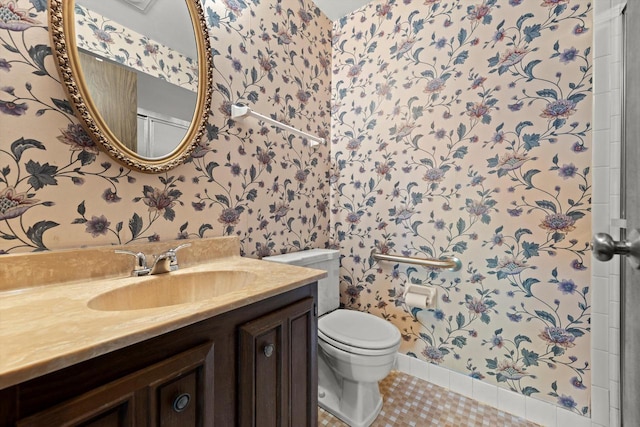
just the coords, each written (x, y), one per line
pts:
(451, 264)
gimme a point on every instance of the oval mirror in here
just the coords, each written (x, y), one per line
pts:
(138, 73)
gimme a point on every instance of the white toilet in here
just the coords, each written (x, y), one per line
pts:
(355, 349)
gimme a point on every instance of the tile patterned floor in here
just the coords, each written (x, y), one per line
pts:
(410, 401)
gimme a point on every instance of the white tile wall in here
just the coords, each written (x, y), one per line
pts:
(606, 209)
(615, 97)
(614, 368)
(569, 419)
(439, 376)
(614, 288)
(541, 412)
(600, 405)
(601, 41)
(600, 296)
(530, 408)
(601, 135)
(614, 417)
(485, 392)
(600, 364)
(420, 370)
(614, 395)
(513, 403)
(602, 119)
(600, 182)
(403, 364)
(461, 384)
(614, 314)
(602, 84)
(600, 332)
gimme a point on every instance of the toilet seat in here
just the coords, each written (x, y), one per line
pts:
(358, 333)
(356, 351)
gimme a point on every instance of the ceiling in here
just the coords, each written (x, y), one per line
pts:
(336, 9)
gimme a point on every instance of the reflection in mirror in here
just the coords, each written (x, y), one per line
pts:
(140, 72)
(151, 112)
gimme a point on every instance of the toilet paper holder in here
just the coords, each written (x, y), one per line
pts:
(420, 296)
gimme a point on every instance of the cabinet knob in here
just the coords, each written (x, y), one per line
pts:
(268, 349)
(181, 402)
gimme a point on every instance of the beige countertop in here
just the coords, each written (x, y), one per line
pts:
(50, 327)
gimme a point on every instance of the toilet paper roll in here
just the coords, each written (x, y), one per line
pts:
(420, 296)
(418, 300)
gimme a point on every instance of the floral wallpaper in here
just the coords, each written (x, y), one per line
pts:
(457, 128)
(109, 39)
(463, 129)
(57, 190)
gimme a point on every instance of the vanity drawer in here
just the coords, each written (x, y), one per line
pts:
(170, 393)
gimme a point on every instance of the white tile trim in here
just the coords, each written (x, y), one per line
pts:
(526, 407)
(612, 13)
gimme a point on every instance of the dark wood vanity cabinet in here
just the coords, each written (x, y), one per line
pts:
(277, 368)
(172, 392)
(253, 366)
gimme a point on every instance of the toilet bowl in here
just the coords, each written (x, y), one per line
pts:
(355, 349)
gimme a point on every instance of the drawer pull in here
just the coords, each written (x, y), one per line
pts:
(182, 402)
(268, 350)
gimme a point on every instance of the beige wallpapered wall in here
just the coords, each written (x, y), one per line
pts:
(57, 190)
(463, 129)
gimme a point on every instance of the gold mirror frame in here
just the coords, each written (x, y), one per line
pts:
(63, 36)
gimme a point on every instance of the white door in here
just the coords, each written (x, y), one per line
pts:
(629, 245)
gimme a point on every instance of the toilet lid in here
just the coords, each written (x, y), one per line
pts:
(359, 329)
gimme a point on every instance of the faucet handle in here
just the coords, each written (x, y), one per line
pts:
(140, 268)
(173, 256)
(177, 248)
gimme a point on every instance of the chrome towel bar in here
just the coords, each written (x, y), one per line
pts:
(451, 264)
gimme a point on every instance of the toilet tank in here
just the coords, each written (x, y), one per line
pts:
(321, 259)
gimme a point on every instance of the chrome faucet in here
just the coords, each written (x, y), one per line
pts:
(167, 261)
(140, 269)
(162, 263)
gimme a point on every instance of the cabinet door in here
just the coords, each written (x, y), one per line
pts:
(109, 406)
(177, 392)
(278, 373)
